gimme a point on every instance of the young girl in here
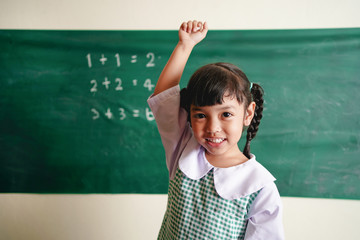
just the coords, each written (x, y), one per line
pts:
(216, 191)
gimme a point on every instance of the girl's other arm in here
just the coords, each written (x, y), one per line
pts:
(265, 216)
(190, 34)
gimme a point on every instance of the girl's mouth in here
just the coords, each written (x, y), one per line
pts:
(215, 140)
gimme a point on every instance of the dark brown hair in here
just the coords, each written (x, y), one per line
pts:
(209, 84)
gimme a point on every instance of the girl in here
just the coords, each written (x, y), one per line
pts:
(215, 190)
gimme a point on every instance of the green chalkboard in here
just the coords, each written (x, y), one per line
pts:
(74, 118)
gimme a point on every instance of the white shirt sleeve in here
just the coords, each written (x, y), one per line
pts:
(171, 122)
(265, 216)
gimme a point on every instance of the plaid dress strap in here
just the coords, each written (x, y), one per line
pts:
(196, 211)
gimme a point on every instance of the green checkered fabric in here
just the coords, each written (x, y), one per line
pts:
(196, 211)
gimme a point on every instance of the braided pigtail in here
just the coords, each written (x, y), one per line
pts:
(257, 96)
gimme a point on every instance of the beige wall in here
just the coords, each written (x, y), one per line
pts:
(110, 217)
(138, 217)
(161, 14)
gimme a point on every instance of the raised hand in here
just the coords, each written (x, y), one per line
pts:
(192, 32)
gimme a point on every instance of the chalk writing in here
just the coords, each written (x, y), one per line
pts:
(111, 85)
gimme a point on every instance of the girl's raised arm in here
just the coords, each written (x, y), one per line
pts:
(190, 34)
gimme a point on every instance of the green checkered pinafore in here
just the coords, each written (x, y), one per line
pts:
(196, 211)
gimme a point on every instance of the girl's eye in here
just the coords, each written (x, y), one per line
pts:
(227, 114)
(199, 115)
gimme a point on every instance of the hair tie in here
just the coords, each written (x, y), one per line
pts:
(251, 85)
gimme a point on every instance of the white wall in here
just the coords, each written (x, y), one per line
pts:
(138, 217)
(161, 14)
(108, 217)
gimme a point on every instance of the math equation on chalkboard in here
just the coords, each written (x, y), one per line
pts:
(107, 84)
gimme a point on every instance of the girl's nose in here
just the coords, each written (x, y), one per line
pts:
(213, 126)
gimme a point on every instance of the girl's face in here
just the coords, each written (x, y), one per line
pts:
(218, 128)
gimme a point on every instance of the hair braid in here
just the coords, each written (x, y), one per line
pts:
(257, 95)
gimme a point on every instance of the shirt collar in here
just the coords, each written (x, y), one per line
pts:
(230, 183)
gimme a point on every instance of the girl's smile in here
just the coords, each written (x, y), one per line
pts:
(215, 142)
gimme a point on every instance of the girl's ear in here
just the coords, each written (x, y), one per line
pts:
(249, 113)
